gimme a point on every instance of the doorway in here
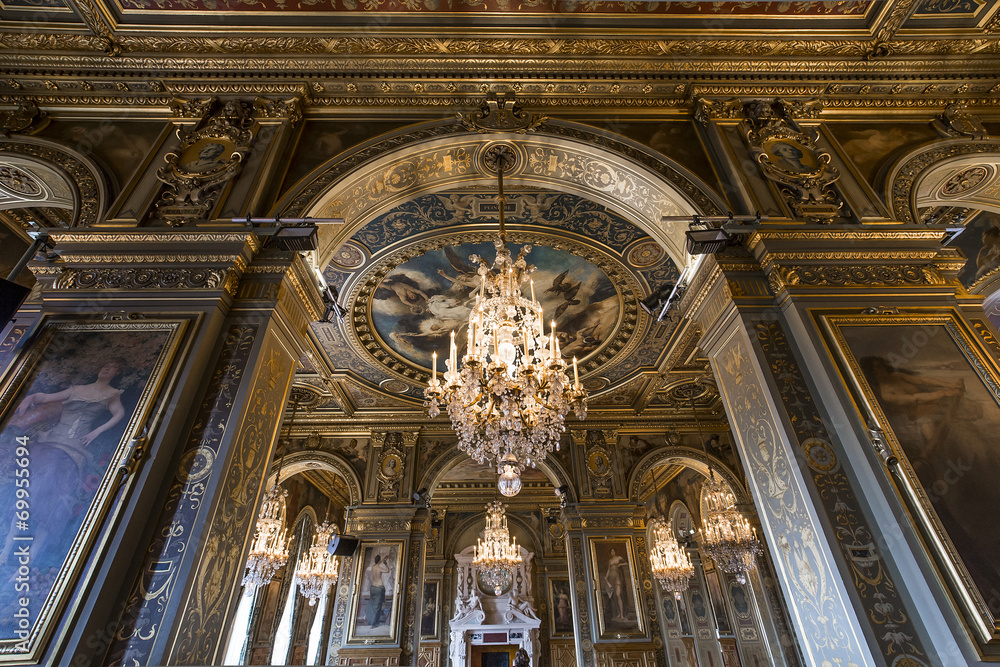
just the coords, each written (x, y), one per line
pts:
(493, 656)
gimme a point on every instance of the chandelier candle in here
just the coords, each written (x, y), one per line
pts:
(509, 399)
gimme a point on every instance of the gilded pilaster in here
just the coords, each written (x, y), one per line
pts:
(756, 310)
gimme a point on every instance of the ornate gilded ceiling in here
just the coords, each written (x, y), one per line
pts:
(407, 279)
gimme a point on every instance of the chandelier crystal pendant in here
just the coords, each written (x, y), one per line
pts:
(318, 569)
(671, 564)
(496, 554)
(269, 551)
(509, 400)
(726, 534)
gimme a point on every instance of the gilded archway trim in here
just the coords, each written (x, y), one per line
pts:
(90, 191)
(561, 156)
(433, 474)
(906, 173)
(687, 456)
(480, 518)
(297, 462)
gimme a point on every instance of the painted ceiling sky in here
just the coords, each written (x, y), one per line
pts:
(408, 279)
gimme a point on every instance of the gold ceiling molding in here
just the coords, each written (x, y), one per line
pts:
(563, 158)
(284, 53)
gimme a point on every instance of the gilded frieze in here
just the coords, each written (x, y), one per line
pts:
(782, 277)
(137, 279)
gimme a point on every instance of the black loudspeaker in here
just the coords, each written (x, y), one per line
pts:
(342, 546)
(12, 296)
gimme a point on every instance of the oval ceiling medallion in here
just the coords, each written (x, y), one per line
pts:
(413, 300)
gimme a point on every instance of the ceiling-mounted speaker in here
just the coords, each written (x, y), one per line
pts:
(12, 296)
(341, 545)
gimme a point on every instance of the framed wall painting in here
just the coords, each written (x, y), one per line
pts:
(375, 607)
(936, 396)
(73, 406)
(430, 610)
(613, 570)
(560, 608)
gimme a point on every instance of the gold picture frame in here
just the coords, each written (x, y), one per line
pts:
(560, 608)
(369, 620)
(928, 385)
(619, 608)
(73, 372)
(430, 611)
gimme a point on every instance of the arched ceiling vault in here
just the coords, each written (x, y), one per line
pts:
(415, 214)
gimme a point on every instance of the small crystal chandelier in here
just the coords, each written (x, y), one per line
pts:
(726, 534)
(671, 564)
(497, 557)
(318, 569)
(269, 551)
(509, 401)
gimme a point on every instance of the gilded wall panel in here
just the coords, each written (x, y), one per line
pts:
(156, 583)
(818, 603)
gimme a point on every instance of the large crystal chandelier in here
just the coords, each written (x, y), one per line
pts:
(509, 400)
(318, 569)
(726, 534)
(497, 555)
(269, 551)
(671, 564)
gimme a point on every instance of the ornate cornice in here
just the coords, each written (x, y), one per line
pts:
(159, 53)
(782, 277)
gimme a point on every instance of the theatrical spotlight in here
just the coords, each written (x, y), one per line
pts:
(709, 235)
(330, 296)
(654, 302)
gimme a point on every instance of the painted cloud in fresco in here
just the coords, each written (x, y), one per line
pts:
(418, 304)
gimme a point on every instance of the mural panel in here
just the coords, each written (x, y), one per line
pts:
(939, 405)
(615, 586)
(376, 588)
(71, 410)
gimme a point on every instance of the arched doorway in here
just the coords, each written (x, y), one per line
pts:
(718, 619)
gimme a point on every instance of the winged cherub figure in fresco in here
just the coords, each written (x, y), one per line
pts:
(466, 275)
(567, 290)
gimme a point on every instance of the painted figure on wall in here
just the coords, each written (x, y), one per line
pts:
(375, 602)
(429, 614)
(616, 590)
(376, 591)
(561, 606)
(68, 421)
(944, 417)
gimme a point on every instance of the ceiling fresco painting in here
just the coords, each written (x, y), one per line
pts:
(592, 267)
(418, 305)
